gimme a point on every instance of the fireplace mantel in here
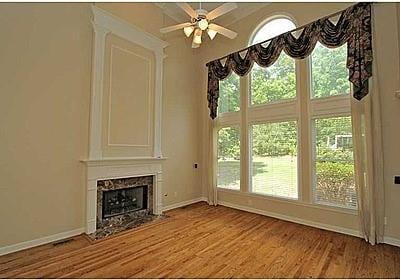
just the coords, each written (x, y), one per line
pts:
(120, 160)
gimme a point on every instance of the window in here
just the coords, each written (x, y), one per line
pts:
(329, 73)
(228, 173)
(229, 94)
(273, 144)
(334, 163)
(277, 121)
(274, 159)
(277, 82)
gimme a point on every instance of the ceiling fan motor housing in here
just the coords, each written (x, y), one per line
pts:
(201, 14)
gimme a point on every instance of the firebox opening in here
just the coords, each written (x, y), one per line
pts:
(122, 201)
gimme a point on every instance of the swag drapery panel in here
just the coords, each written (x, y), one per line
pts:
(353, 28)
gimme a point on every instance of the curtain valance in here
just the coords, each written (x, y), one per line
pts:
(353, 28)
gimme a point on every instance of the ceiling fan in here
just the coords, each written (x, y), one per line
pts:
(200, 20)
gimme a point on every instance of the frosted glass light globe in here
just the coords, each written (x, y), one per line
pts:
(188, 30)
(203, 24)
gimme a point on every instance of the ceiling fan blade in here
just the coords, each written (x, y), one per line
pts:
(174, 27)
(223, 31)
(188, 9)
(221, 10)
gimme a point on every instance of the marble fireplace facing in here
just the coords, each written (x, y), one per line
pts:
(123, 203)
(122, 194)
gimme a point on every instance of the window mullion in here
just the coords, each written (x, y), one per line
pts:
(244, 133)
(303, 90)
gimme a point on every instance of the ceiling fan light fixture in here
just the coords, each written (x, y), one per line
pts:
(200, 23)
(203, 24)
(197, 36)
(195, 46)
(188, 30)
(211, 33)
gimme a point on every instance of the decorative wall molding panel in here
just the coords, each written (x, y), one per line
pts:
(104, 24)
(123, 67)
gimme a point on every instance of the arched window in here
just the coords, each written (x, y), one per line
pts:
(280, 139)
(277, 82)
(273, 138)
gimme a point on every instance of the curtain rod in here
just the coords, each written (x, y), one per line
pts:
(291, 31)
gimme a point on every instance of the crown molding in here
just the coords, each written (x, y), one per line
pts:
(124, 29)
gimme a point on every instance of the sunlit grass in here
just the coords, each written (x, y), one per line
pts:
(275, 176)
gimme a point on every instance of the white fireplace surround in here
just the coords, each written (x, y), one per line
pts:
(116, 169)
(97, 166)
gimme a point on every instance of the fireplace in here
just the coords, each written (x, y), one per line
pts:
(123, 201)
(106, 175)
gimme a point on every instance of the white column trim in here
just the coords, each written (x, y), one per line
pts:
(158, 104)
(95, 148)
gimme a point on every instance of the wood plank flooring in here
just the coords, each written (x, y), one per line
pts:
(201, 241)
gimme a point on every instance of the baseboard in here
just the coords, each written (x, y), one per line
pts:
(51, 238)
(184, 203)
(63, 235)
(292, 219)
(391, 241)
(40, 241)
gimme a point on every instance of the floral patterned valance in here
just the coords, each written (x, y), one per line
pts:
(353, 28)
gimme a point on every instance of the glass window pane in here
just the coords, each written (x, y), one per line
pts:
(334, 164)
(329, 73)
(273, 28)
(274, 159)
(274, 83)
(229, 94)
(277, 82)
(228, 169)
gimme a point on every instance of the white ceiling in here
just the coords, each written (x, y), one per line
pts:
(244, 9)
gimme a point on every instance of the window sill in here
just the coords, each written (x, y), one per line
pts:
(228, 189)
(292, 201)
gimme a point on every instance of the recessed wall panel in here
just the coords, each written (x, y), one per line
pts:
(129, 120)
(128, 99)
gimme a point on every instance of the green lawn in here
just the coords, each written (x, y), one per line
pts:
(275, 176)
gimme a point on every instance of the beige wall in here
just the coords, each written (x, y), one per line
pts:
(45, 78)
(45, 59)
(387, 57)
(388, 77)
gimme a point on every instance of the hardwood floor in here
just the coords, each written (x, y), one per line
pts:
(200, 241)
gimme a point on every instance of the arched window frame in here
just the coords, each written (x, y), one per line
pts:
(274, 16)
